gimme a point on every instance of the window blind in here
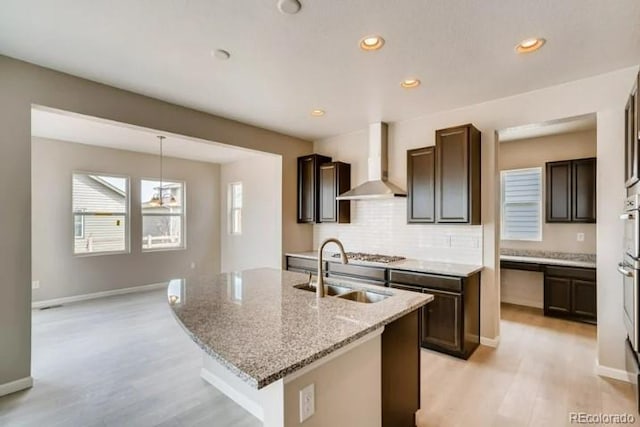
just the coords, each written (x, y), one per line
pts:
(521, 204)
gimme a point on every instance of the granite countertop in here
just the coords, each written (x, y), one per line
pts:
(421, 266)
(262, 329)
(549, 257)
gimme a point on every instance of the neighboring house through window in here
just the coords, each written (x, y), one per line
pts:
(163, 219)
(521, 204)
(100, 213)
(235, 208)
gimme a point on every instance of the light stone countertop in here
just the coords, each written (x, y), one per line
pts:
(420, 266)
(262, 329)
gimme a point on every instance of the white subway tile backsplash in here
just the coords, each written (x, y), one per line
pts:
(381, 226)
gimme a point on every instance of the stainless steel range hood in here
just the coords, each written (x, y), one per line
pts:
(378, 186)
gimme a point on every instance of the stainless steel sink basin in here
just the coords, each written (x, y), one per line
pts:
(364, 296)
(330, 290)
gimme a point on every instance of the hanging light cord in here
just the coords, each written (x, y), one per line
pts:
(161, 138)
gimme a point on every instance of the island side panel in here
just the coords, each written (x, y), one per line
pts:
(347, 390)
(401, 371)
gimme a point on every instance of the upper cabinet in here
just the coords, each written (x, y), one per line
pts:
(632, 136)
(444, 182)
(421, 185)
(309, 187)
(335, 179)
(571, 191)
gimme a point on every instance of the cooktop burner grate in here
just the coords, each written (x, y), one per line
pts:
(360, 256)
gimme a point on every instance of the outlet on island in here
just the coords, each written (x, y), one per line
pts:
(307, 402)
(580, 237)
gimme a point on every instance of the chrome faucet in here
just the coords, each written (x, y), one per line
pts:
(343, 258)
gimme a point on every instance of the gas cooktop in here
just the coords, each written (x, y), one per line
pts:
(359, 256)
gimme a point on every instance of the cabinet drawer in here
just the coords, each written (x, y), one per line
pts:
(338, 276)
(517, 265)
(302, 264)
(453, 284)
(571, 272)
(407, 287)
(372, 273)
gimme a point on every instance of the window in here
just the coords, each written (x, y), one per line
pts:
(521, 204)
(100, 213)
(162, 209)
(235, 208)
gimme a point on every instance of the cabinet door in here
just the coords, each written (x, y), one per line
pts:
(631, 139)
(328, 193)
(584, 298)
(558, 191)
(583, 190)
(441, 321)
(452, 172)
(306, 189)
(421, 185)
(557, 296)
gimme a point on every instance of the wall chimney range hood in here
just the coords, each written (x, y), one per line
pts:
(377, 186)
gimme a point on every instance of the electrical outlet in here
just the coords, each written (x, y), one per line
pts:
(580, 237)
(307, 402)
(35, 284)
(193, 265)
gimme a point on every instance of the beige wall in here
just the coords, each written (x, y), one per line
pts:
(23, 84)
(535, 152)
(605, 95)
(260, 244)
(61, 274)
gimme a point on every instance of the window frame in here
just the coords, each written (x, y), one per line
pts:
(84, 213)
(503, 234)
(231, 208)
(182, 215)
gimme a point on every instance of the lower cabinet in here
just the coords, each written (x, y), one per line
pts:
(451, 322)
(570, 293)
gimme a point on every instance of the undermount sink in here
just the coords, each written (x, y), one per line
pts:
(330, 290)
(364, 296)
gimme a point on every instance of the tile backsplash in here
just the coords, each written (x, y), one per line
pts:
(380, 226)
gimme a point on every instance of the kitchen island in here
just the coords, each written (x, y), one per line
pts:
(265, 341)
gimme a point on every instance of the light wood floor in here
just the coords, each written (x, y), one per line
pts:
(123, 361)
(542, 370)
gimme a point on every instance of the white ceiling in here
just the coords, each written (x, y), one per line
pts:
(63, 126)
(556, 127)
(283, 66)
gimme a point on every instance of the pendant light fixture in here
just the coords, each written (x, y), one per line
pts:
(157, 199)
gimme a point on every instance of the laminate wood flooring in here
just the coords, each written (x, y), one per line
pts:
(118, 361)
(543, 369)
(124, 361)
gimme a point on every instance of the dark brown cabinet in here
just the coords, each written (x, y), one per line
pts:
(309, 187)
(571, 293)
(571, 191)
(458, 175)
(444, 181)
(421, 185)
(632, 136)
(335, 179)
(451, 322)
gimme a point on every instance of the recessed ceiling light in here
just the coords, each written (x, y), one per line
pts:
(221, 54)
(317, 112)
(410, 83)
(371, 43)
(289, 6)
(530, 45)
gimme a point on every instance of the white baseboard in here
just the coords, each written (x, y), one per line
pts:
(616, 374)
(521, 301)
(490, 342)
(16, 385)
(76, 298)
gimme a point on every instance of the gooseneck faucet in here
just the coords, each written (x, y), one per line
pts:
(343, 258)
